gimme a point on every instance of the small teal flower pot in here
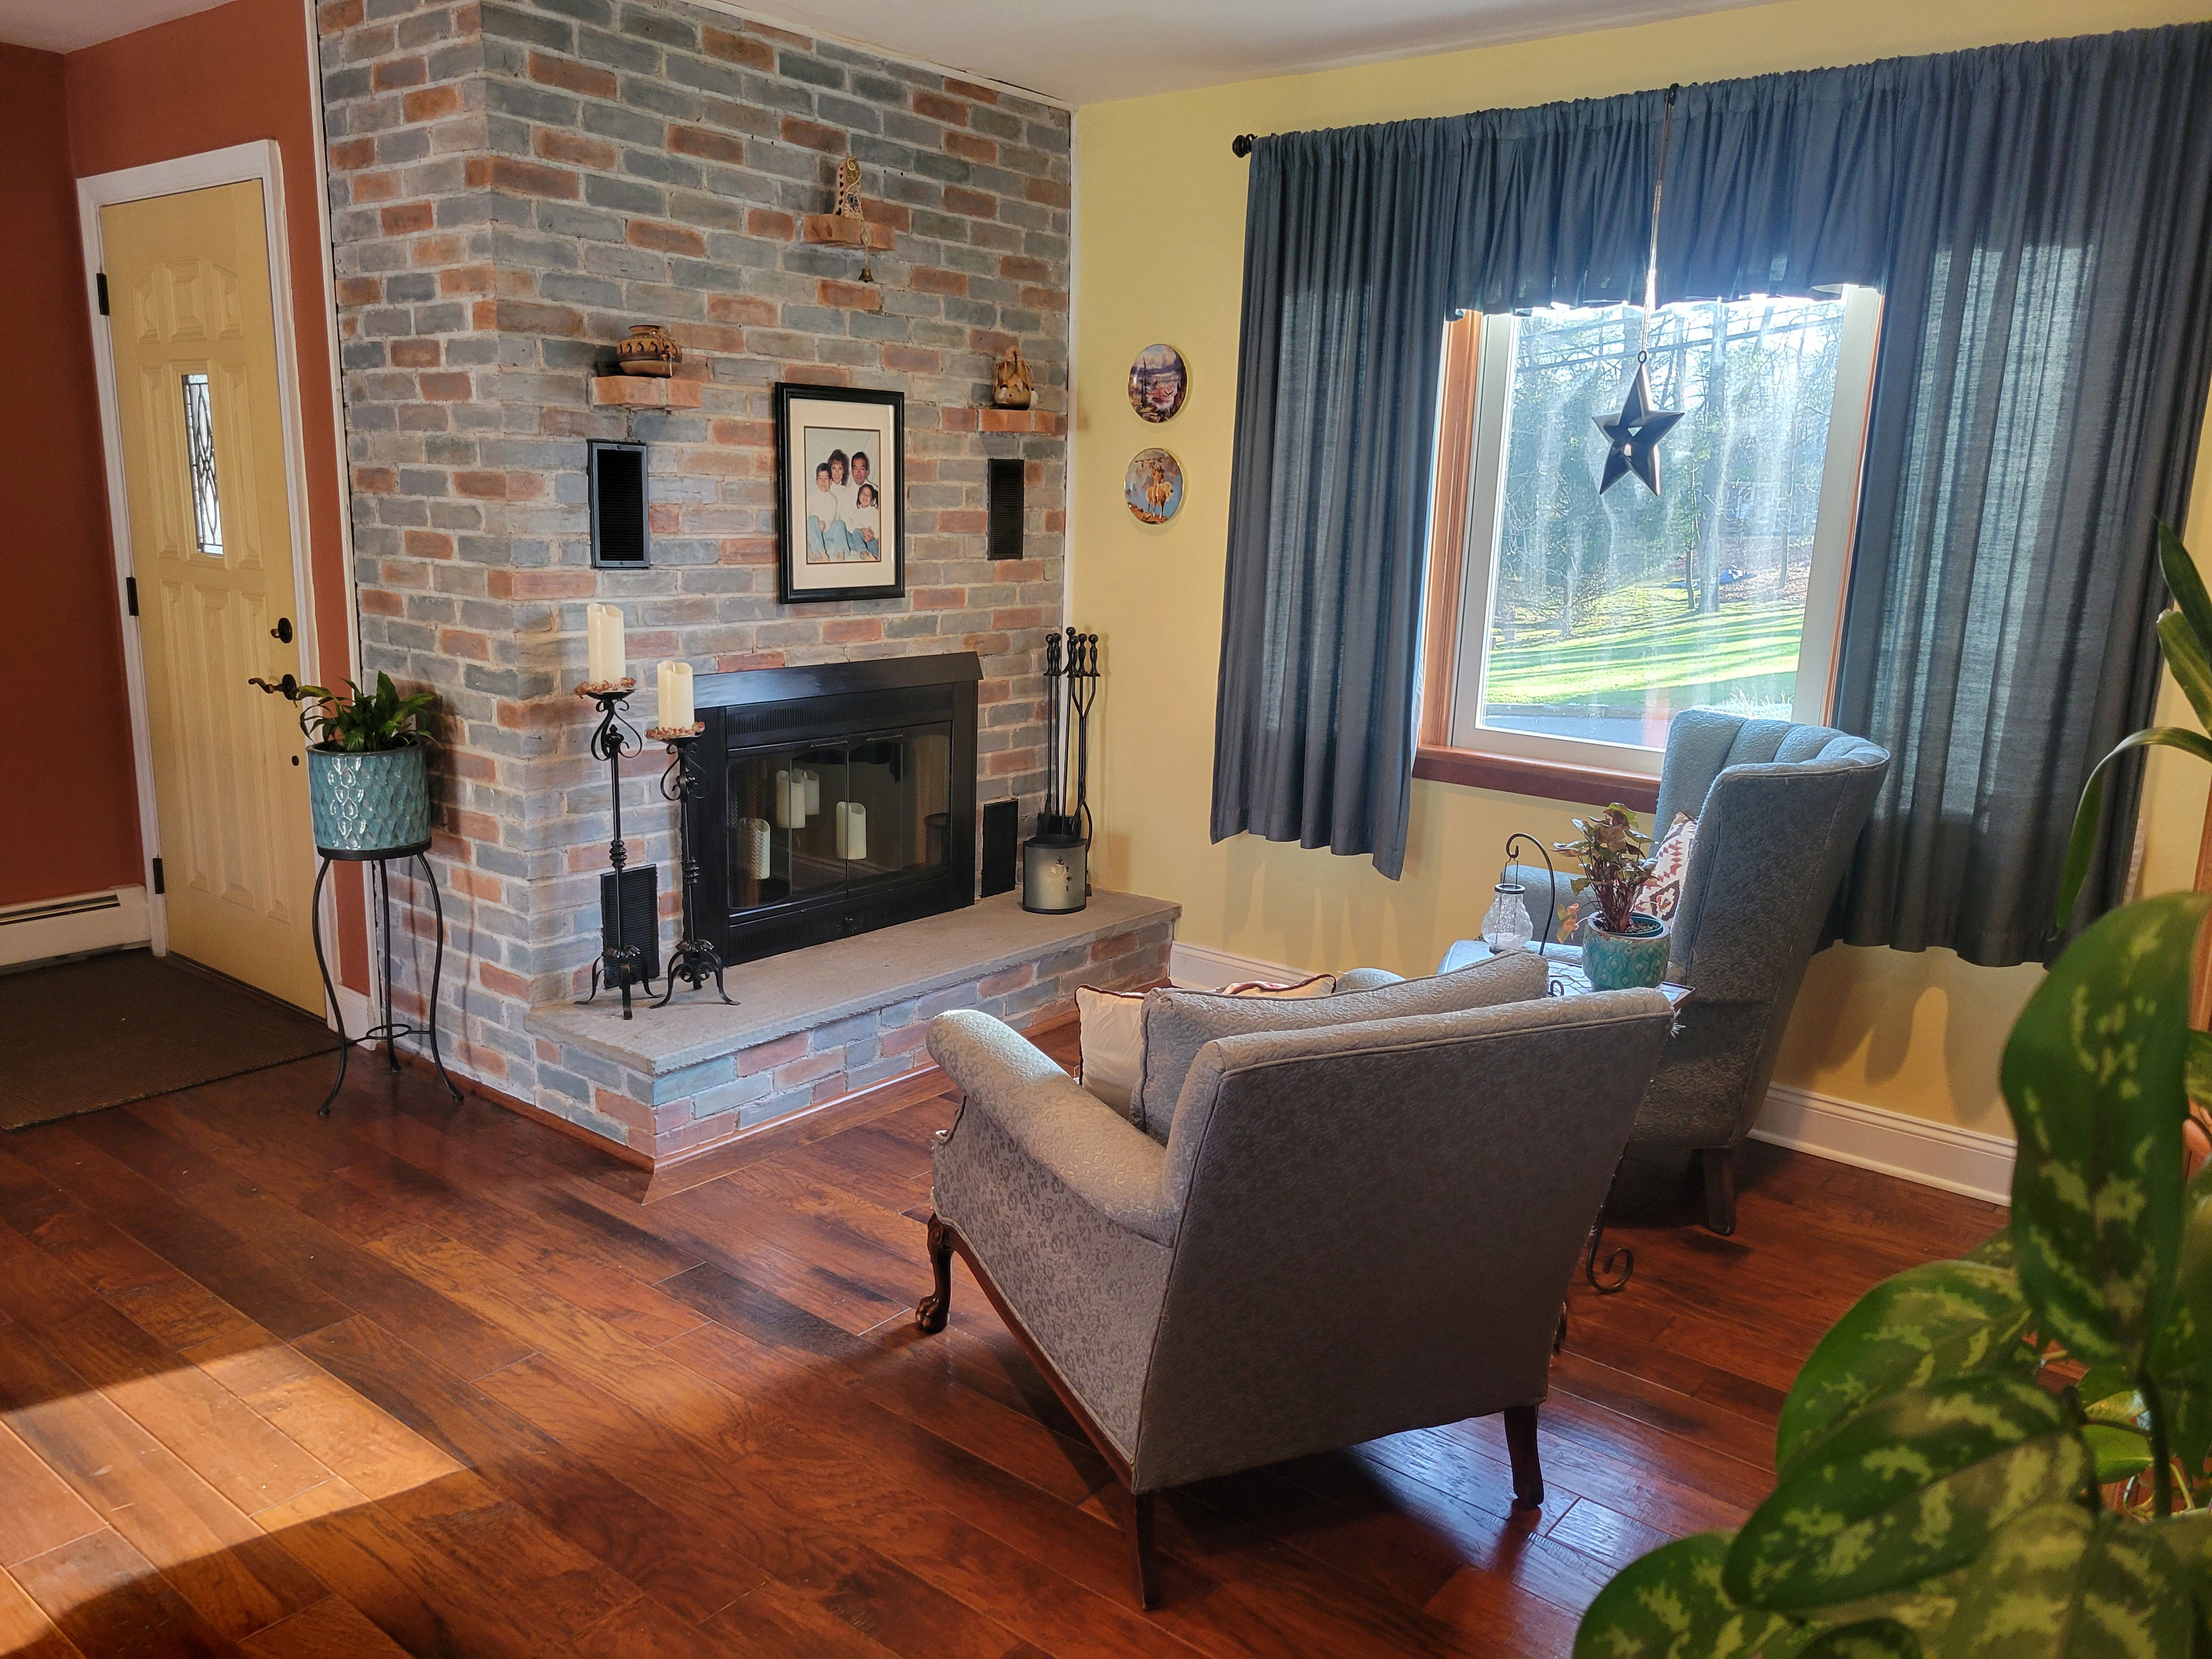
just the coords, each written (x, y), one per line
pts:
(370, 805)
(1622, 962)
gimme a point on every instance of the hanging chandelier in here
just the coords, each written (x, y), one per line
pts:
(1633, 435)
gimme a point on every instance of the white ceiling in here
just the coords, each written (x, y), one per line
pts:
(1075, 51)
(65, 25)
(1084, 51)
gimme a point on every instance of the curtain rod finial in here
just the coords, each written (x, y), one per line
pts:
(1241, 145)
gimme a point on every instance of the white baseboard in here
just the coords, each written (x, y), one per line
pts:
(1969, 1161)
(105, 920)
(1200, 968)
(353, 1006)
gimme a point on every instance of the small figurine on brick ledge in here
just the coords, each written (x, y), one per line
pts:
(849, 190)
(650, 349)
(1011, 387)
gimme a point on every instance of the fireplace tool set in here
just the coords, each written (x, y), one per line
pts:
(1055, 861)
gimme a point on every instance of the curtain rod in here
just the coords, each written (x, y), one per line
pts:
(1241, 145)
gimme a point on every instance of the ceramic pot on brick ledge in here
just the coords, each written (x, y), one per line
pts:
(371, 803)
(650, 349)
(1622, 962)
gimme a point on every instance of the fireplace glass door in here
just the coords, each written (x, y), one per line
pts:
(810, 821)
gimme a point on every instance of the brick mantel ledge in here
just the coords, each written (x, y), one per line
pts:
(813, 1025)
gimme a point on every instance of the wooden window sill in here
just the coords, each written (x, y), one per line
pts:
(1514, 774)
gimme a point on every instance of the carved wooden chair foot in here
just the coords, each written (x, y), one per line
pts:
(931, 1312)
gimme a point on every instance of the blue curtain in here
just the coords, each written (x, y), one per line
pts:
(2036, 217)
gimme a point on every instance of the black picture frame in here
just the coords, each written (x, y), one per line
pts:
(811, 417)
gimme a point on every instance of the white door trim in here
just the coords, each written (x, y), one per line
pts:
(258, 160)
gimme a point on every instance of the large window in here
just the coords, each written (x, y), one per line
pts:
(1571, 626)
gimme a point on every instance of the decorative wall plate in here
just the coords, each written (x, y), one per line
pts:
(1153, 487)
(1158, 382)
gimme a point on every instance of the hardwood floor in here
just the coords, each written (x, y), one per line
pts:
(432, 1380)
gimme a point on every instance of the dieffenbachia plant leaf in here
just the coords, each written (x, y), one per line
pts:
(2187, 1541)
(1912, 1485)
(2186, 586)
(2059, 1582)
(1669, 1605)
(2200, 1067)
(2091, 811)
(1873, 1639)
(1942, 1320)
(2117, 1452)
(2093, 1076)
(2186, 660)
(1995, 1251)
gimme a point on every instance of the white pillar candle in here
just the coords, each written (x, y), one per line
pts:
(790, 813)
(676, 712)
(813, 803)
(752, 846)
(603, 644)
(852, 829)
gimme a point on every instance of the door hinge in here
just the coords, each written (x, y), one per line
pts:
(160, 884)
(130, 594)
(100, 287)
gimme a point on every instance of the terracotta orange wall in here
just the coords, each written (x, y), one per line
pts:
(73, 813)
(234, 75)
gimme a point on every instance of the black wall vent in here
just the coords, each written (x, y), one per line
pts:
(641, 915)
(1002, 831)
(619, 541)
(1006, 509)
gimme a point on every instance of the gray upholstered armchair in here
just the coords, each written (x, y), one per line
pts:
(1343, 1231)
(1779, 808)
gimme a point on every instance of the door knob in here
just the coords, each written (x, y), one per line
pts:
(283, 632)
(287, 687)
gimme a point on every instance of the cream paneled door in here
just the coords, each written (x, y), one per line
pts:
(198, 400)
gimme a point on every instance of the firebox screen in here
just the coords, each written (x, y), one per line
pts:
(808, 819)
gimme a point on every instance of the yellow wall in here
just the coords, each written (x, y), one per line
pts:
(1159, 258)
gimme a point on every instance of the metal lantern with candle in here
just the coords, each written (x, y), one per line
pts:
(1056, 860)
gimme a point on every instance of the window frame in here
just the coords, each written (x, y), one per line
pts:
(1474, 425)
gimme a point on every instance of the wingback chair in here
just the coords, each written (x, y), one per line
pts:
(1779, 808)
(1348, 1230)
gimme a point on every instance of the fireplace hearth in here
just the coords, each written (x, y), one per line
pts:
(836, 798)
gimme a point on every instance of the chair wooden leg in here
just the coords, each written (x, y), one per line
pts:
(1527, 1467)
(1720, 1188)
(929, 1313)
(1144, 1572)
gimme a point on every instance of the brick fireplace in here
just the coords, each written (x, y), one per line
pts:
(514, 185)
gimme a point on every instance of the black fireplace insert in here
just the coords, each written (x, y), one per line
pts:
(838, 799)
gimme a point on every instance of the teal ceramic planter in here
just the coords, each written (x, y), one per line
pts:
(1621, 962)
(370, 805)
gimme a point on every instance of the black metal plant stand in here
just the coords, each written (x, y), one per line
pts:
(387, 1031)
(620, 963)
(694, 959)
(1612, 1272)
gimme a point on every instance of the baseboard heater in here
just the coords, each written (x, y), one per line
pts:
(48, 909)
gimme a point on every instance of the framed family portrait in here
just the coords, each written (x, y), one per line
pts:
(841, 476)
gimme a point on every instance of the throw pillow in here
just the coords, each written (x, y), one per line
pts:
(1113, 1039)
(1178, 1023)
(1671, 863)
(1113, 1030)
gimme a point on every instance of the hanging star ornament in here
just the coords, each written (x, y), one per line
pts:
(1635, 436)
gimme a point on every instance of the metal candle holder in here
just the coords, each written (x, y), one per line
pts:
(694, 959)
(615, 737)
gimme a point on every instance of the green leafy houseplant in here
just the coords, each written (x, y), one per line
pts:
(1614, 853)
(365, 722)
(369, 786)
(2004, 1454)
(2008, 1455)
(2185, 633)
